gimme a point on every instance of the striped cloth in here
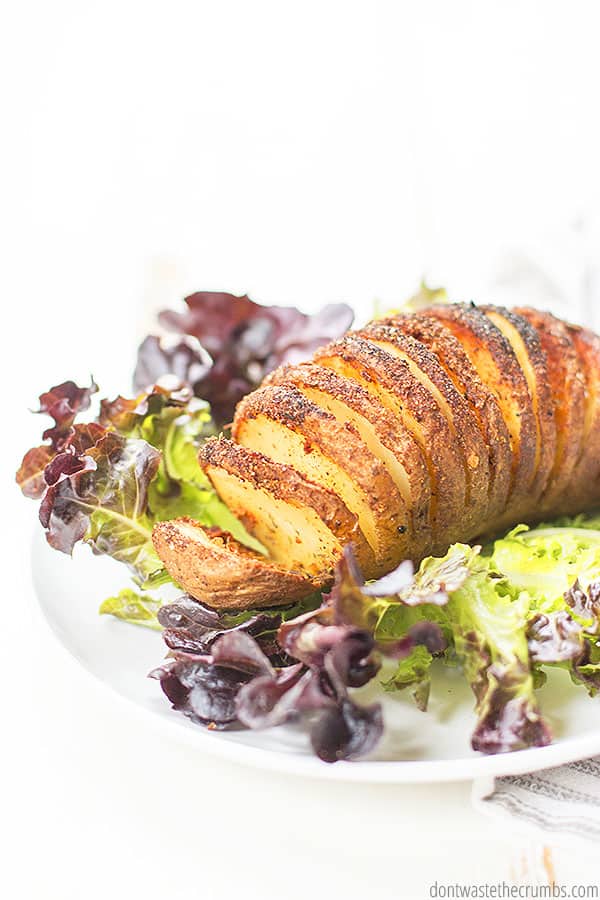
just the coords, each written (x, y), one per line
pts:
(562, 801)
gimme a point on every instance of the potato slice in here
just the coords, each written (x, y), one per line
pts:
(424, 366)
(391, 381)
(531, 356)
(381, 432)
(213, 567)
(482, 402)
(583, 491)
(303, 525)
(566, 382)
(494, 359)
(281, 423)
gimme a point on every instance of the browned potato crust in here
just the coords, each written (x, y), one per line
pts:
(213, 567)
(498, 367)
(267, 496)
(280, 422)
(482, 402)
(530, 353)
(583, 490)
(455, 409)
(391, 380)
(566, 385)
(349, 401)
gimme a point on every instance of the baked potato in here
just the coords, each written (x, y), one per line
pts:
(400, 438)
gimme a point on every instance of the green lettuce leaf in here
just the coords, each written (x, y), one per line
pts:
(547, 560)
(132, 607)
(413, 672)
(175, 423)
(558, 565)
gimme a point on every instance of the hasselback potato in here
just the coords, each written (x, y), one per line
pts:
(402, 437)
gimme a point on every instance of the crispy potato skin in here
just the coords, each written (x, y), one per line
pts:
(498, 367)
(482, 402)
(391, 379)
(340, 443)
(400, 442)
(539, 390)
(287, 485)
(565, 383)
(584, 485)
(419, 430)
(462, 425)
(212, 567)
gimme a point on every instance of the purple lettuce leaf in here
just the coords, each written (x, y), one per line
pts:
(585, 604)
(251, 690)
(100, 497)
(245, 341)
(332, 658)
(30, 474)
(182, 357)
(205, 688)
(270, 700)
(347, 731)
(554, 637)
(107, 481)
(202, 691)
(191, 627)
(508, 717)
(62, 403)
(569, 637)
(239, 651)
(322, 655)
(585, 669)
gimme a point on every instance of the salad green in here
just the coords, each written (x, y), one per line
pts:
(106, 482)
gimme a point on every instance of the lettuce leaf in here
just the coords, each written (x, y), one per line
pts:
(132, 607)
(62, 403)
(175, 422)
(488, 622)
(413, 672)
(237, 682)
(191, 627)
(107, 482)
(547, 560)
(227, 345)
(433, 584)
(558, 565)
(405, 612)
(101, 498)
(482, 620)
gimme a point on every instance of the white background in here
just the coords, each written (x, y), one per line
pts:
(306, 153)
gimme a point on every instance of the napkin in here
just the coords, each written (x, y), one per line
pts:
(563, 801)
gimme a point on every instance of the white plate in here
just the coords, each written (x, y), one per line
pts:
(417, 747)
